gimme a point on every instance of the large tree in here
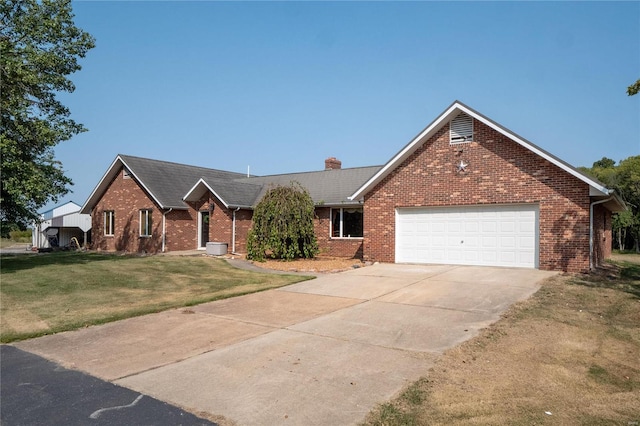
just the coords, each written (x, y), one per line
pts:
(39, 47)
(283, 225)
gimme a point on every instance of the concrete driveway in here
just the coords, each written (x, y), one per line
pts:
(324, 351)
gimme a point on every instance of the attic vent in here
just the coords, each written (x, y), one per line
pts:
(461, 129)
(126, 174)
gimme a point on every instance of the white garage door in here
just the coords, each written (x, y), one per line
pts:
(478, 235)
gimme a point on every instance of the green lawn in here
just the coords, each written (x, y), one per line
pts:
(53, 292)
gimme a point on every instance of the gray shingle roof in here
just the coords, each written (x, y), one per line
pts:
(329, 187)
(235, 193)
(168, 183)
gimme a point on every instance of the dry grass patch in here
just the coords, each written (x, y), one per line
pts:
(5, 242)
(568, 355)
(53, 292)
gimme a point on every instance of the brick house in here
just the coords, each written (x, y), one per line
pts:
(465, 190)
(155, 206)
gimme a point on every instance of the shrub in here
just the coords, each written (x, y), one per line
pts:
(283, 225)
(21, 236)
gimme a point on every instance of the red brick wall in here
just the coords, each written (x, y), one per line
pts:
(181, 230)
(126, 198)
(602, 234)
(243, 224)
(221, 223)
(499, 172)
(337, 247)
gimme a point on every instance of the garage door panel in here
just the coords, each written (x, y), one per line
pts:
(437, 242)
(438, 256)
(472, 226)
(422, 227)
(527, 243)
(455, 255)
(504, 235)
(453, 241)
(452, 227)
(489, 242)
(471, 243)
(507, 225)
(526, 227)
(471, 256)
(489, 257)
(489, 226)
(523, 255)
(507, 242)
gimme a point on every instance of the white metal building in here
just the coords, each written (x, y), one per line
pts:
(59, 225)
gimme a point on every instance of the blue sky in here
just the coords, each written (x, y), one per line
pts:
(280, 86)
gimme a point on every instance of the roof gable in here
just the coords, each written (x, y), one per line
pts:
(596, 188)
(231, 193)
(165, 182)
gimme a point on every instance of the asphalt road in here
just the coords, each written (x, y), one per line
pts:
(34, 391)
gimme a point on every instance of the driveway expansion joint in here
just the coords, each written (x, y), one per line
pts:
(446, 308)
(411, 352)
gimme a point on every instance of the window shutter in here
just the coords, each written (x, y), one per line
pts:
(461, 128)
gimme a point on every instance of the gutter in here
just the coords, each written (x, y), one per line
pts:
(591, 266)
(164, 228)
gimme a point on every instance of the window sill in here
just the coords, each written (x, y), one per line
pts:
(144, 236)
(346, 238)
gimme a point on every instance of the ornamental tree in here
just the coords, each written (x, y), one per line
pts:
(283, 225)
(39, 47)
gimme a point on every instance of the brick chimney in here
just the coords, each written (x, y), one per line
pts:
(332, 163)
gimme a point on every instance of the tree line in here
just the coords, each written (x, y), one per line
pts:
(624, 178)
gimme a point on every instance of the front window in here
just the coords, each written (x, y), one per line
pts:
(145, 223)
(109, 222)
(347, 223)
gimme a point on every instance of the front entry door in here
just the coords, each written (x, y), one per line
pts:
(204, 228)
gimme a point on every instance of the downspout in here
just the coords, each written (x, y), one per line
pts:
(164, 228)
(233, 232)
(591, 229)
